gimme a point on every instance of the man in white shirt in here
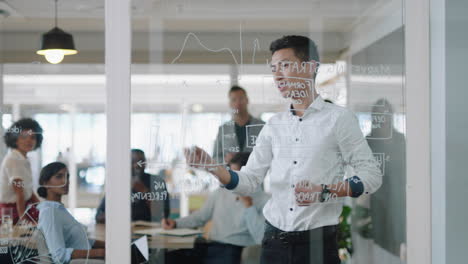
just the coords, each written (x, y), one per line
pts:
(305, 149)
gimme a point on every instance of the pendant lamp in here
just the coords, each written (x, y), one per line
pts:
(56, 43)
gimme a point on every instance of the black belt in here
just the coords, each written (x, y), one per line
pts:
(298, 237)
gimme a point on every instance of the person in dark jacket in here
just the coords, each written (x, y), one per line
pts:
(149, 200)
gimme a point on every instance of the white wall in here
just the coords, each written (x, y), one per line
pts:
(456, 130)
(449, 54)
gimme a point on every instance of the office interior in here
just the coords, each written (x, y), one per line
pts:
(186, 55)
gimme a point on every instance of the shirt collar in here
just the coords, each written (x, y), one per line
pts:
(317, 104)
(49, 204)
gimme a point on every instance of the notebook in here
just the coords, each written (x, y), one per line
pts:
(146, 224)
(180, 232)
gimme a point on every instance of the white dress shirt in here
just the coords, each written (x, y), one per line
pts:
(15, 166)
(315, 147)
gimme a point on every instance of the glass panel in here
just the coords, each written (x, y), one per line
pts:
(189, 58)
(65, 94)
(382, 216)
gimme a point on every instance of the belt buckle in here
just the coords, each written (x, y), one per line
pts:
(283, 237)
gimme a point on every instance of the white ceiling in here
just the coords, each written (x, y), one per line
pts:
(216, 23)
(191, 15)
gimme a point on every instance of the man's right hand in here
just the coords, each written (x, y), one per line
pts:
(228, 157)
(168, 223)
(198, 158)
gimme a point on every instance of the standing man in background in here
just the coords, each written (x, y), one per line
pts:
(232, 135)
(305, 149)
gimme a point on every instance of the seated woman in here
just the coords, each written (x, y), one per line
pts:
(65, 237)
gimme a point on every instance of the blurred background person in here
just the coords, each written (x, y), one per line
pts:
(65, 237)
(153, 207)
(388, 204)
(16, 186)
(232, 135)
(235, 224)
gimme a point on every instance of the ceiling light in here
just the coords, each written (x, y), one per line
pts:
(56, 43)
(197, 108)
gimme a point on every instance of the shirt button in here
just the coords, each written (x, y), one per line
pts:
(290, 209)
(297, 139)
(295, 162)
(292, 185)
(300, 119)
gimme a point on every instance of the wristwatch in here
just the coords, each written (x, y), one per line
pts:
(325, 193)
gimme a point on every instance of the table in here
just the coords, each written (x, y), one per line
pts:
(98, 231)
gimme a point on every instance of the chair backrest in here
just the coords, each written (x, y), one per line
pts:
(30, 247)
(44, 256)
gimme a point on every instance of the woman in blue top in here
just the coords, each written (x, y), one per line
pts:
(65, 237)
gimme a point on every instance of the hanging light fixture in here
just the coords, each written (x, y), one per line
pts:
(56, 43)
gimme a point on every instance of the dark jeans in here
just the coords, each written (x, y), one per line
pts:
(206, 253)
(316, 246)
(219, 253)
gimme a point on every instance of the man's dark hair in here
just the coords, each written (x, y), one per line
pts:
(236, 88)
(240, 158)
(13, 132)
(138, 151)
(382, 106)
(304, 48)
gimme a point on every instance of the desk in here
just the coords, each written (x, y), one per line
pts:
(98, 231)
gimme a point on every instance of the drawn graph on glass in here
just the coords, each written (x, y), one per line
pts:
(193, 138)
(252, 132)
(238, 62)
(167, 143)
(165, 147)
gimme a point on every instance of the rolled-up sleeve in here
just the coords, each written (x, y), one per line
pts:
(53, 232)
(201, 216)
(253, 173)
(356, 152)
(17, 171)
